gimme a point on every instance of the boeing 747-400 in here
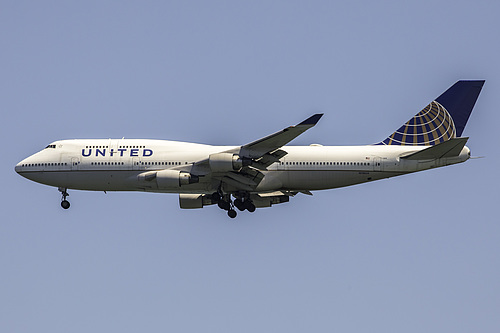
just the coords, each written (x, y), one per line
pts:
(261, 173)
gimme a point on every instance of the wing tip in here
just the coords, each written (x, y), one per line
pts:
(312, 120)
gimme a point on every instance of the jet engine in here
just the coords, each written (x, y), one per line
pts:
(262, 200)
(225, 162)
(193, 201)
(169, 179)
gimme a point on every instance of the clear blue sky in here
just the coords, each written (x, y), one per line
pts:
(418, 253)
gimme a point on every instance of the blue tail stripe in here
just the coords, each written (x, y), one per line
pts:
(459, 100)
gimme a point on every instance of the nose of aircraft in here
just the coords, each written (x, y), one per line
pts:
(18, 167)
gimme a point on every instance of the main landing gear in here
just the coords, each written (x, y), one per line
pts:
(64, 203)
(225, 203)
(244, 203)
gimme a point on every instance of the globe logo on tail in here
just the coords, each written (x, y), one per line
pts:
(429, 127)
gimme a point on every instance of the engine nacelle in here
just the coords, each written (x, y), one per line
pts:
(225, 162)
(263, 201)
(193, 201)
(174, 179)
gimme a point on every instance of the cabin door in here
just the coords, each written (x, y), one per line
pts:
(377, 164)
(75, 163)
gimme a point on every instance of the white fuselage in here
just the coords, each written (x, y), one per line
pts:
(115, 165)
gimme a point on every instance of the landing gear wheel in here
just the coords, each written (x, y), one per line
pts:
(224, 205)
(239, 204)
(250, 206)
(231, 213)
(215, 197)
(65, 194)
(65, 204)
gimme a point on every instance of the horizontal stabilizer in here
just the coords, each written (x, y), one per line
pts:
(450, 148)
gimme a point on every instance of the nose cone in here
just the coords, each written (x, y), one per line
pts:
(19, 167)
(22, 167)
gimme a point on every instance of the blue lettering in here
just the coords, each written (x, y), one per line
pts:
(86, 152)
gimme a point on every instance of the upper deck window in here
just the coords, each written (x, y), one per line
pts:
(50, 146)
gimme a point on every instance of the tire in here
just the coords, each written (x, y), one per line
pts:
(223, 205)
(65, 204)
(250, 206)
(215, 197)
(239, 204)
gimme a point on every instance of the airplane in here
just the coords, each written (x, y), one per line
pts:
(261, 173)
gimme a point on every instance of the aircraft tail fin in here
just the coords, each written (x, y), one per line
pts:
(443, 119)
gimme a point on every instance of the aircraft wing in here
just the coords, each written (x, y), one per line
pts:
(277, 140)
(254, 156)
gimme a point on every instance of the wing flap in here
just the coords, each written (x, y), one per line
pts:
(246, 179)
(268, 159)
(236, 184)
(241, 178)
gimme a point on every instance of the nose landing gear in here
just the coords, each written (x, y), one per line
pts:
(64, 203)
(231, 213)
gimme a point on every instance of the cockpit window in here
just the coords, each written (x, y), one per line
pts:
(50, 146)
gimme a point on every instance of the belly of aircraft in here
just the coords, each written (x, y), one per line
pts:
(313, 180)
(325, 179)
(127, 180)
(86, 180)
